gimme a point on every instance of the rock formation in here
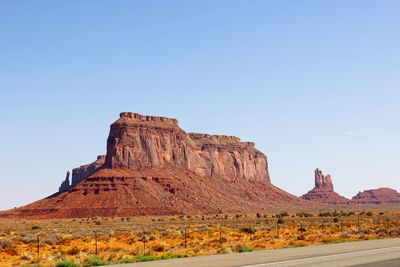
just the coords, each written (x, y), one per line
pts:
(323, 191)
(380, 196)
(80, 173)
(153, 167)
(323, 182)
(65, 184)
(137, 142)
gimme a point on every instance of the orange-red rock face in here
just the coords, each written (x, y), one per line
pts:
(381, 196)
(137, 142)
(323, 191)
(84, 171)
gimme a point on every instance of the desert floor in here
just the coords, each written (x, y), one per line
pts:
(102, 241)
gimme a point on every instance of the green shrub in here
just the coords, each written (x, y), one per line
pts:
(73, 251)
(66, 263)
(283, 214)
(245, 248)
(302, 229)
(160, 247)
(172, 256)
(297, 244)
(248, 230)
(325, 214)
(335, 214)
(128, 260)
(5, 243)
(167, 256)
(142, 258)
(304, 214)
(94, 261)
(331, 240)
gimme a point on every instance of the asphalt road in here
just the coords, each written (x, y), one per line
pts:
(385, 253)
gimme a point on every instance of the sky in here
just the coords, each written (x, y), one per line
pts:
(312, 83)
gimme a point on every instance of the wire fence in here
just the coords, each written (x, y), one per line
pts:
(194, 234)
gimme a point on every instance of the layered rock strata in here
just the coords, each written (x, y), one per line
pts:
(84, 171)
(137, 142)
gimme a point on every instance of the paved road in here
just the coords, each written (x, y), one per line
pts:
(387, 263)
(384, 253)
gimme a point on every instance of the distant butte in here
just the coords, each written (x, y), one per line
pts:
(323, 191)
(380, 196)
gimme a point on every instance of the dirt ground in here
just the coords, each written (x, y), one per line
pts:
(101, 241)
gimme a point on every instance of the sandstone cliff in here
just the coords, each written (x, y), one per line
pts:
(137, 142)
(380, 196)
(153, 167)
(80, 173)
(323, 191)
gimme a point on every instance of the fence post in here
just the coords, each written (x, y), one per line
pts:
(220, 235)
(185, 239)
(38, 248)
(95, 239)
(144, 242)
(277, 229)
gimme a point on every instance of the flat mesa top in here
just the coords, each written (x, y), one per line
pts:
(136, 119)
(132, 116)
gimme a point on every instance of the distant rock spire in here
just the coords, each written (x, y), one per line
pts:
(323, 191)
(66, 184)
(323, 181)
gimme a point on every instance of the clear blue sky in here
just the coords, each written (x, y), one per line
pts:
(313, 83)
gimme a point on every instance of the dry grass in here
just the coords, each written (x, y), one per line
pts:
(124, 240)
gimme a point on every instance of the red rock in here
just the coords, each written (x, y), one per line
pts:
(323, 191)
(153, 167)
(380, 196)
(84, 171)
(65, 184)
(137, 142)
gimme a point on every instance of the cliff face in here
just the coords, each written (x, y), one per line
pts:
(380, 196)
(137, 142)
(323, 191)
(153, 167)
(80, 173)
